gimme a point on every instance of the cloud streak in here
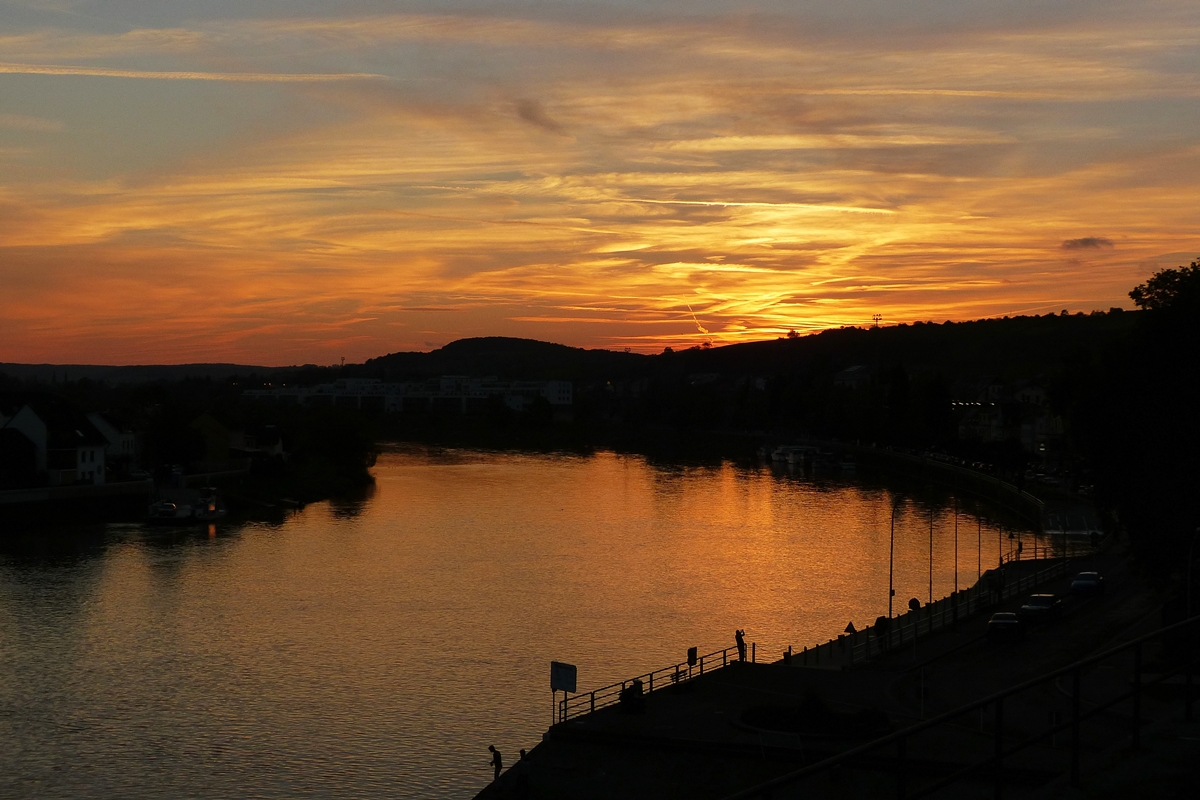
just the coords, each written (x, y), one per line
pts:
(9, 68)
(598, 181)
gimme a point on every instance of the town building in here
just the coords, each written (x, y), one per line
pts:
(450, 393)
(61, 444)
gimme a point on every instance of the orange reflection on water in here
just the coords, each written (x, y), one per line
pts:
(381, 643)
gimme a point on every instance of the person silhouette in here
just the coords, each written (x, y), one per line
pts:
(497, 761)
(740, 636)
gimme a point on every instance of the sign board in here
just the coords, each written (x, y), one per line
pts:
(562, 677)
(691, 656)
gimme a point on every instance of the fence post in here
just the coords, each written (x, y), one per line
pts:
(651, 689)
(701, 665)
(753, 652)
(1137, 696)
(999, 741)
(593, 704)
(1075, 727)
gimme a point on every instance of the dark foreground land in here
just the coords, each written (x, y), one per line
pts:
(706, 738)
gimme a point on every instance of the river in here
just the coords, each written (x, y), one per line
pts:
(375, 648)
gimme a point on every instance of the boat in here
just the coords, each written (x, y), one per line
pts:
(187, 507)
(169, 512)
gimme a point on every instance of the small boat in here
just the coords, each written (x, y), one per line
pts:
(168, 512)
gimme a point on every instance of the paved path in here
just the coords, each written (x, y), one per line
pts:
(693, 740)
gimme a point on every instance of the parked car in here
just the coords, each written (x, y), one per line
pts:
(1088, 583)
(1039, 607)
(1004, 626)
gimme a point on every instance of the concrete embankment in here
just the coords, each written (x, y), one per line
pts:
(706, 738)
(22, 507)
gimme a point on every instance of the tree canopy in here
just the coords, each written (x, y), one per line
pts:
(1169, 289)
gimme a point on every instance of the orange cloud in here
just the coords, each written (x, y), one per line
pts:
(513, 177)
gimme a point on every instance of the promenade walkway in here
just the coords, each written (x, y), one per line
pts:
(697, 739)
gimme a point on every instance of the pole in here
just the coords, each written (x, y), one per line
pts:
(979, 549)
(931, 554)
(956, 544)
(892, 559)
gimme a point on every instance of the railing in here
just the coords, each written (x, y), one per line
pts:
(869, 643)
(845, 650)
(999, 744)
(587, 702)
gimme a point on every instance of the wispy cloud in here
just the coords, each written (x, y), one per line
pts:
(190, 75)
(21, 122)
(755, 173)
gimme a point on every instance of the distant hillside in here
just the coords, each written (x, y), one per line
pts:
(1016, 347)
(61, 373)
(506, 358)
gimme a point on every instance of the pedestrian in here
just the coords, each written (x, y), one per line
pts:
(497, 761)
(740, 637)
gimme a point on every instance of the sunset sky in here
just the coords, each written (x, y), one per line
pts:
(278, 182)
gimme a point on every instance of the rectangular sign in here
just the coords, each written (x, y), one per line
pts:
(562, 677)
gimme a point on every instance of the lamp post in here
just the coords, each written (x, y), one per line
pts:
(956, 544)
(931, 554)
(892, 558)
(979, 548)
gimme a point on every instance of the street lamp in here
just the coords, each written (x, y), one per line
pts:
(892, 558)
(979, 548)
(931, 554)
(956, 544)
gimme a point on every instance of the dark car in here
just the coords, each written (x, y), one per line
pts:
(1039, 607)
(1004, 626)
(1088, 583)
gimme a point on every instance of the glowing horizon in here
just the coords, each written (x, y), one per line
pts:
(281, 189)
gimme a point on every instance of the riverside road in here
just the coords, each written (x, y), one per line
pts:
(693, 740)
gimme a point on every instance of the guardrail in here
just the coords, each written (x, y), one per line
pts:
(870, 642)
(587, 702)
(845, 650)
(999, 744)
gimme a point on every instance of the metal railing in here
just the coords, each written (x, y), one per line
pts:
(845, 650)
(587, 702)
(869, 643)
(1007, 739)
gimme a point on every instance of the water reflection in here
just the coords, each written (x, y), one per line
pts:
(376, 645)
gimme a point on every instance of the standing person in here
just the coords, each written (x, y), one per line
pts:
(497, 761)
(740, 636)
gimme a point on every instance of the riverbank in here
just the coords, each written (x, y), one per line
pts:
(698, 739)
